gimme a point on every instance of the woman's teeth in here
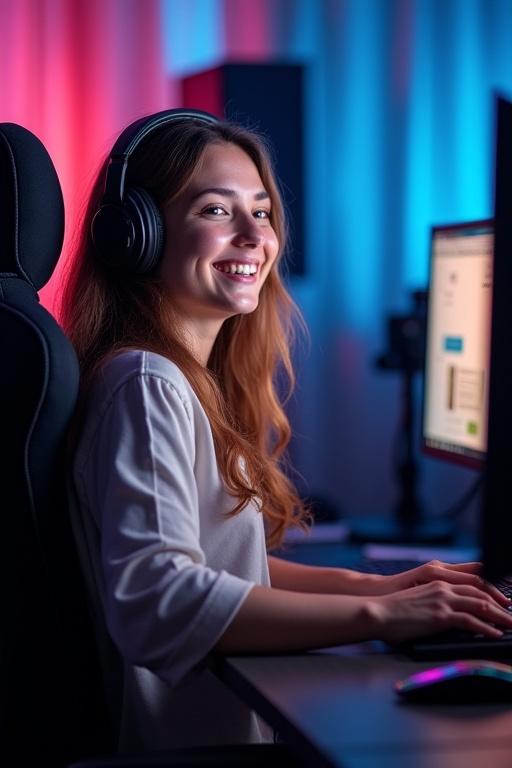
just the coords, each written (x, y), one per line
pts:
(237, 269)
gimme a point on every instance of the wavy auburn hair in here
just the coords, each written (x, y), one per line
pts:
(104, 312)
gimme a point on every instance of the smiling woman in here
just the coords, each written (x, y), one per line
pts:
(181, 322)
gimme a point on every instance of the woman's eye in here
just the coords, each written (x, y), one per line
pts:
(262, 213)
(215, 210)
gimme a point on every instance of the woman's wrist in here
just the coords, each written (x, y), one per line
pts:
(296, 577)
(376, 617)
(363, 584)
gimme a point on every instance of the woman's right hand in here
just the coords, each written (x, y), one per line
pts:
(435, 607)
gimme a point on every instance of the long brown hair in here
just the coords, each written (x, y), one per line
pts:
(104, 312)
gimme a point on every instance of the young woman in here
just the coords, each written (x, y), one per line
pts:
(179, 436)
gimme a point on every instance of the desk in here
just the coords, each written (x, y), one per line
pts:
(339, 710)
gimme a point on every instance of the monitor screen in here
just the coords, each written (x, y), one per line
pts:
(456, 385)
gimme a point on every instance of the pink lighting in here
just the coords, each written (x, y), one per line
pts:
(447, 671)
(248, 29)
(75, 73)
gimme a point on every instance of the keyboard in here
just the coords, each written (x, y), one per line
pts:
(453, 643)
(385, 567)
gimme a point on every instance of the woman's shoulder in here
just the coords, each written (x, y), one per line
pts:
(126, 365)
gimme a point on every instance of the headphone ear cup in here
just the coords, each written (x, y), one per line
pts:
(129, 236)
(149, 229)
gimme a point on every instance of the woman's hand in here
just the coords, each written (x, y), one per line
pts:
(462, 574)
(436, 606)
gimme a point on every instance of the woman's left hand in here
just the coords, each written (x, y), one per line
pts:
(436, 570)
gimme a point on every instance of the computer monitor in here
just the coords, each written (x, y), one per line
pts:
(467, 413)
(458, 332)
(496, 517)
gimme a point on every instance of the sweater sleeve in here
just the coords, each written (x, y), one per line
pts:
(165, 608)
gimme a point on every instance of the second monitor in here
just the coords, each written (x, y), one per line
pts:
(456, 384)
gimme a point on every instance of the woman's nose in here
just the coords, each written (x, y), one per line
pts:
(249, 234)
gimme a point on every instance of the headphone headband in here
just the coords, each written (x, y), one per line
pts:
(129, 140)
(127, 229)
(133, 134)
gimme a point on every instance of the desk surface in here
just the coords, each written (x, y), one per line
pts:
(339, 709)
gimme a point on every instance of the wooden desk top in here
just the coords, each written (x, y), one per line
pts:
(339, 709)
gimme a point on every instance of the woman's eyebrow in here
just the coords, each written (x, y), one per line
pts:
(225, 192)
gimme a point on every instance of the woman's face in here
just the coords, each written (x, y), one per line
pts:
(220, 245)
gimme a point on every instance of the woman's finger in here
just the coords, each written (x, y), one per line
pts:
(454, 576)
(469, 602)
(472, 567)
(471, 623)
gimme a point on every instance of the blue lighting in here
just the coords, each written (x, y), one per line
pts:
(193, 34)
(354, 154)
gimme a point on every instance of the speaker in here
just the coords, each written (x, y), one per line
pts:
(127, 229)
(268, 98)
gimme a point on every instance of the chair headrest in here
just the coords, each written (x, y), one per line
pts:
(31, 207)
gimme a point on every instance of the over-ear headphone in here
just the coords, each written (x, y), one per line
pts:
(128, 229)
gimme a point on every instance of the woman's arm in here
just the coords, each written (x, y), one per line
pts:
(321, 580)
(274, 620)
(341, 581)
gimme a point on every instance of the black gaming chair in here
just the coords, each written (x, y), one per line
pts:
(50, 698)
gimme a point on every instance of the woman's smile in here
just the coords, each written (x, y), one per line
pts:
(238, 270)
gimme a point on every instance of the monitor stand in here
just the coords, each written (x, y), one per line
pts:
(409, 524)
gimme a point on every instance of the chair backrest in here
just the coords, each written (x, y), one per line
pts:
(51, 698)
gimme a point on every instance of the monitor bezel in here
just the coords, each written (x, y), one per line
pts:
(496, 513)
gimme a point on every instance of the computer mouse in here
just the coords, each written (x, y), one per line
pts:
(461, 682)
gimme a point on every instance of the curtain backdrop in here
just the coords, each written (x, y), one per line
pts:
(74, 72)
(399, 126)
